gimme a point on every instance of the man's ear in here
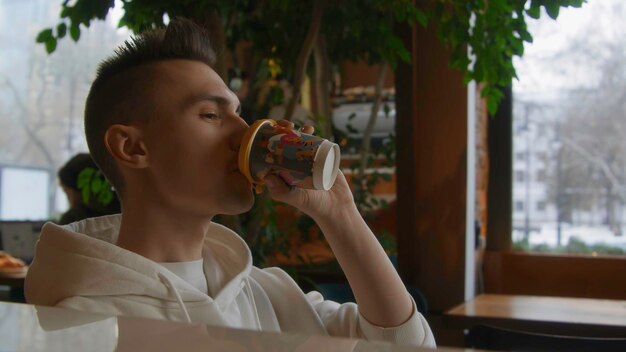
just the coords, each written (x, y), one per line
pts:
(127, 146)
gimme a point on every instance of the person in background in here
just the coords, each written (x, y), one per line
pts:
(69, 175)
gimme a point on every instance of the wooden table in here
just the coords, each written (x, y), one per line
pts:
(551, 315)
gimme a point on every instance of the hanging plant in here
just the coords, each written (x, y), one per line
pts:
(92, 183)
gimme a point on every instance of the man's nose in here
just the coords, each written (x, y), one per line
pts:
(239, 130)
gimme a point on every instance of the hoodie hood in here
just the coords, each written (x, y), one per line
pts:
(81, 259)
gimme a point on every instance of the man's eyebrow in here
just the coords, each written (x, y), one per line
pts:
(221, 100)
(214, 98)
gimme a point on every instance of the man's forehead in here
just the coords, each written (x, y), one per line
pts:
(194, 80)
(185, 71)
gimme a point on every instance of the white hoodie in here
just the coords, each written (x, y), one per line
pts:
(79, 266)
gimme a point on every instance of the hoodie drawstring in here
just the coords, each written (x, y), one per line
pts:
(170, 286)
(252, 302)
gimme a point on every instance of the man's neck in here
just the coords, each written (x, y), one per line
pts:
(162, 235)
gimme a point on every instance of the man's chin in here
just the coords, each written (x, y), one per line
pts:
(242, 207)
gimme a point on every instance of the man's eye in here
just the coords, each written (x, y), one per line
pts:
(209, 115)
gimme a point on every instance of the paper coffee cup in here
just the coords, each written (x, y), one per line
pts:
(300, 159)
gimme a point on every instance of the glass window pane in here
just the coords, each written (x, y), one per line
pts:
(42, 97)
(569, 187)
(24, 194)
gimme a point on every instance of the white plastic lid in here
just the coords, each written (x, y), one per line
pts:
(326, 165)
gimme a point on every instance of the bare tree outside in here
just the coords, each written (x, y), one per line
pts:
(594, 147)
(42, 96)
(570, 124)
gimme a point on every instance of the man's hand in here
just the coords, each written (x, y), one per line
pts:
(382, 298)
(318, 204)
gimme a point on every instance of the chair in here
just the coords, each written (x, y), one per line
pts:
(495, 338)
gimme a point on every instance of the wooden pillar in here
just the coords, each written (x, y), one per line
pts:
(431, 126)
(500, 184)
(499, 194)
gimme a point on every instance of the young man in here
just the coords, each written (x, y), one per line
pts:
(165, 129)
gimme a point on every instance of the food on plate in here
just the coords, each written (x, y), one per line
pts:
(7, 261)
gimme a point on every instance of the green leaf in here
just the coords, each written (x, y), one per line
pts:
(86, 195)
(576, 3)
(61, 30)
(96, 185)
(552, 7)
(105, 197)
(84, 177)
(51, 44)
(75, 32)
(526, 36)
(534, 11)
(422, 18)
(44, 35)
(492, 104)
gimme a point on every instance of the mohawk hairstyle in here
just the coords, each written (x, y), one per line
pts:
(121, 93)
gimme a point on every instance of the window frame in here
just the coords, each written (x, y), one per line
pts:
(510, 272)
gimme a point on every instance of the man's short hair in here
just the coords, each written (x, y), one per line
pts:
(121, 91)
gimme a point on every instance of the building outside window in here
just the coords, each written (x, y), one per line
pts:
(541, 175)
(541, 205)
(569, 121)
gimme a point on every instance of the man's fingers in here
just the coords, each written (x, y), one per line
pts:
(287, 124)
(281, 192)
(278, 189)
(307, 129)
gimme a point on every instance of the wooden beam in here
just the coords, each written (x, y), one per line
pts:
(431, 127)
(500, 184)
(555, 275)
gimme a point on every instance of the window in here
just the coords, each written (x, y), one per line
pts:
(519, 156)
(24, 193)
(42, 101)
(541, 175)
(542, 156)
(541, 205)
(573, 123)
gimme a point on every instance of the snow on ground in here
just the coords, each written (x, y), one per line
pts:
(590, 235)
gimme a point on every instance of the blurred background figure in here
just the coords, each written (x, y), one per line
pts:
(89, 194)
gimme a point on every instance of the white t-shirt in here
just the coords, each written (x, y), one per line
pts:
(192, 272)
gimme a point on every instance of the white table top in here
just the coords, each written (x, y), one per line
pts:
(31, 328)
